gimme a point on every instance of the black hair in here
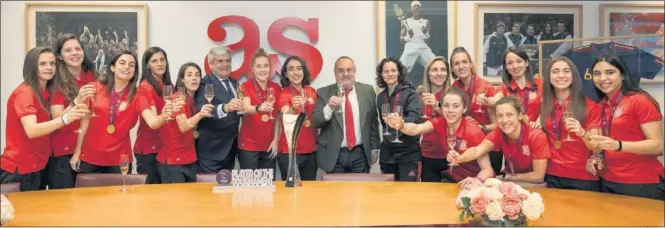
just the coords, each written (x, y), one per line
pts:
(284, 80)
(401, 70)
(147, 74)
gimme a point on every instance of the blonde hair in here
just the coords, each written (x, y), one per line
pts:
(427, 82)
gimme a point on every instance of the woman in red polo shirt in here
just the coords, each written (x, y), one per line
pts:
(106, 137)
(177, 157)
(632, 139)
(519, 81)
(454, 127)
(155, 76)
(435, 83)
(562, 92)
(259, 101)
(29, 124)
(296, 97)
(525, 149)
(480, 92)
(73, 84)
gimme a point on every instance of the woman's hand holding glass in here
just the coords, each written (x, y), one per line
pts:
(297, 101)
(574, 126)
(265, 107)
(206, 109)
(395, 121)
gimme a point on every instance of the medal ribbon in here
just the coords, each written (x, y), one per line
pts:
(262, 93)
(394, 106)
(556, 120)
(114, 104)
(606, 123)
(509, 156)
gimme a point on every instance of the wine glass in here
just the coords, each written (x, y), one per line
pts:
(182, 96)
(84, 105)
(567, 114)
(271, 100)
(124, 169)
(340, 95)
(92, 101)
(421, 90)
(209, 93)
(304, 99)
(451, 140)
(385, 113)
(240, 93)
(398, 112)
(168, 96)
(481, 92)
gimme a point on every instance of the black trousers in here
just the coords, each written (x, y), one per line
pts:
(568, 183)
(403, 171)
(351, 161)
(59, 173)
(432, 168)
(496, 160)
(177, 173)
(257, 160)
(652, 191)
(147, 164)
(214, 166)
(29, 181)
(306, 165)
(85, 167)
(446, 178)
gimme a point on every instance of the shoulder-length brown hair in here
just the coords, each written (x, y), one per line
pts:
(577, 104)
(64, 78)
(31, 73)
(446, 83)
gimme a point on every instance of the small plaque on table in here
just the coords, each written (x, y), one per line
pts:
(239, 179)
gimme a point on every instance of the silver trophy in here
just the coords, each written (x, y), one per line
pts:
(293, 176)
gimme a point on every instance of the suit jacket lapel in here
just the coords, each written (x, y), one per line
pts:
(362, 106)
(219, 88)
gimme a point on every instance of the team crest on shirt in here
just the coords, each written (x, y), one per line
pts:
(462, 145)
(533, 95)
(525, 150)
(618, 111)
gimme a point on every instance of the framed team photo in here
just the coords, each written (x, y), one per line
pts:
(636, 19)
(103, 28)
(415, 32)
(499, 26)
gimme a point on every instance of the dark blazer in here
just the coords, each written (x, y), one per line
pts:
(332, 131)
(216, 136)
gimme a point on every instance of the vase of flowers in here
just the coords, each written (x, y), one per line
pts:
(497, 203)
(6, 210)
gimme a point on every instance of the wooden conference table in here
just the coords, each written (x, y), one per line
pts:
(315, 204)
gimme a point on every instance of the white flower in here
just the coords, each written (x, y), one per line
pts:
(494, 211)
(473, 193)
(492, 193)
(6, 210)
(492, 182)
(519, 190)
(533, 206)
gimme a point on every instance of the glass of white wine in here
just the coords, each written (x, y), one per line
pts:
(340, 95)
(271, 100)
(124, 169)
(240, 94)
(168, 96)
(209, 93)
(84, 105)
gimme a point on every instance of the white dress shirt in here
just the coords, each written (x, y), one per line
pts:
(353, 98)
(220, 110)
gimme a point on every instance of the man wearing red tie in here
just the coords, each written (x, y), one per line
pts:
(346, 114)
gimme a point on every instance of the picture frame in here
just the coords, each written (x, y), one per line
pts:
(441, 16)
(103, 28)
(622, 19)
(533, 22)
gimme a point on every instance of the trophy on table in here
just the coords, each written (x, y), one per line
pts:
(293, 176)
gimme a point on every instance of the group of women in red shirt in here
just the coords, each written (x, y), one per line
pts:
(64, 120)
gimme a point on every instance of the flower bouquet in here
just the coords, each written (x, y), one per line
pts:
(6, 210)
(497, 203)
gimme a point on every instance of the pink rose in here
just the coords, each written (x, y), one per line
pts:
(511, 205)
(507, 188)
(479, 204)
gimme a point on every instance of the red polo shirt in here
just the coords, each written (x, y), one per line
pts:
(633, 110)
(64, 139)
(147, 139)
(470, 135)
(570, 160)
(431, 144)
(307, 138)
(528, 93)
(534, 147)
(256, 135)
(478, 83)
(104, 149)
(22, 153)
(178, 148)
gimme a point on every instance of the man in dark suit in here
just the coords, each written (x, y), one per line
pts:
(349, 139)
(218, 134)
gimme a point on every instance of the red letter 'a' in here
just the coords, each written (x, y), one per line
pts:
(249, 42)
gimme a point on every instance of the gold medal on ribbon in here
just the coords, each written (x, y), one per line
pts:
(557, 144)
(196, 134)
(110, 128)
(307, 123)
(264, 118)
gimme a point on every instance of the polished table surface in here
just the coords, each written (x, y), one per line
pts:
(315, 204)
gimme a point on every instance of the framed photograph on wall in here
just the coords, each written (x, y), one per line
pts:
(415, 32)
(499, 26)
(636, 19)
(103, 28)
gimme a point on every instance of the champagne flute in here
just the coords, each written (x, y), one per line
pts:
(481, 92)
(421, 90)
(84, 105)
(124, 169)
(566, 115)
(398, 112)
(304, 100)
(271, 100)
(340, 95)
(385, 113)
(168, 96)
(209, 93)
(240, 93)
(451, 147)
(92, 101)
(182, 96)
